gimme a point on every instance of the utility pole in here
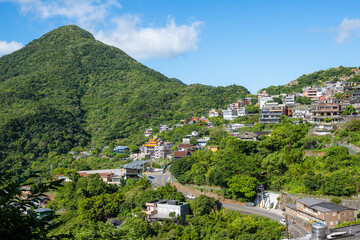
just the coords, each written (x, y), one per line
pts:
(262, 194)
(286, 227)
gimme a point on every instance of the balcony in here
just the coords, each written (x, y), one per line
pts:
(153, 212)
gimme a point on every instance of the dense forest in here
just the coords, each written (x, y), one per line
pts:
(67, 90)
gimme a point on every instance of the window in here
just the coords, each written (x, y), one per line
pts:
(349, 213)
(334, 214)
(331, 223)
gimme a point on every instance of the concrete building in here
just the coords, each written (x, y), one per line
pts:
(302, 111)
(271, 113)
(229, 114)
(264, 100)
(327, 112)
(161, 209)
(311, 93)
(289, 99)
(325, 212)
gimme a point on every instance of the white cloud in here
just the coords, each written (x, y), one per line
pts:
(9, 47)
(148, 42)
(84, 12)
(127, 31)
(348, 29)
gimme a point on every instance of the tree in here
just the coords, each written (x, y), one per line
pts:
(203, 205)
(99, 208)
(251, 109)
(303, 100)
(14, 224)
(349, 110)
(193, 141)
(242, 186)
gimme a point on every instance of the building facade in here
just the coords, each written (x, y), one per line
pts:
(325, 212)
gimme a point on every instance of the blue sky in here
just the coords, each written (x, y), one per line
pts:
(250, 43)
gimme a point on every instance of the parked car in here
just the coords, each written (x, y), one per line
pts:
(283, 221)
(250, 204)
(336, 235)
(190, 196)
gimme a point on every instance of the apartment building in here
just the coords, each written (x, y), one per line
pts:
(271, 113)
(311, 93)
(325, 212)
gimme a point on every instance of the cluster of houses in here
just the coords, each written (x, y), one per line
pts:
(113, 176)
(233, 111)
(325, 110)
(155, 148)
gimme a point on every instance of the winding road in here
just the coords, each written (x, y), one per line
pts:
(160, 179)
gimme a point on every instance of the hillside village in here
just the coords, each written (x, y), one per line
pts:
(95, 145)
(325, 107)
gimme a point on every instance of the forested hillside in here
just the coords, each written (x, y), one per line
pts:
(66, 89)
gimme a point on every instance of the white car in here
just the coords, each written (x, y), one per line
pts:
(283, 221)
(190, 196)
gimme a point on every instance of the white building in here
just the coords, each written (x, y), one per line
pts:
(229, 114)
(263, 100)
(241, 112)
(213, 113)
(289, 99)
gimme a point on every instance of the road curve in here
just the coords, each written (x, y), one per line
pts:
(161, 179)
(294, 228)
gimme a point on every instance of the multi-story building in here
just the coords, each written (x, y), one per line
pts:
(328, 213)
(327, 112)
(162, 209)
(264, 100)
(311, 93)
(301, 111)
(349, 86)
(261, 95)
(229, 114)
(289, 100)
(149, 147)
(271, 113)
(240, 112)
(161, 151)
(213, 113)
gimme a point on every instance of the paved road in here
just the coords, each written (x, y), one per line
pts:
(160, 179)
(296, 230)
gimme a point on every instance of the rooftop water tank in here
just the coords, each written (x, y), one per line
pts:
(318, 231)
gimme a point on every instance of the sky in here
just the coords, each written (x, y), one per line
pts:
(255, 44)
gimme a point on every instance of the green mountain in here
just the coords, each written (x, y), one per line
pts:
(319, 77)
(67, 89)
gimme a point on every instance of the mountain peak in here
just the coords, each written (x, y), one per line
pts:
(66, 34)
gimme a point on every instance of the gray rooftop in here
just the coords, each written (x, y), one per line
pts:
(310, 201)
(135, 165)
(322, 206)
(40, 210)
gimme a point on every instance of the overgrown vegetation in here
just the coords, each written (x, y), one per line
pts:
(66, 90)
(277, 161)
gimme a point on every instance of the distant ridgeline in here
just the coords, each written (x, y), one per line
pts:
(319, 77)
(67, 89)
